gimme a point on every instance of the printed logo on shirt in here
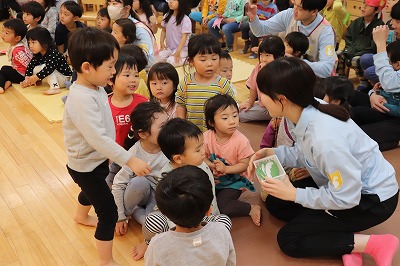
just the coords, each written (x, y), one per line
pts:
(329, 50)
(336, 179)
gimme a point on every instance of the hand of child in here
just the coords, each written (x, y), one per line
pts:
(32, 80)
(220, 166)
(25, 83)
(377, 86)
(258, 155)
(177, 57)
(121, 228)
(380, 34)
(138, 166)
(377, 102)
(281, 189)
(245, 106)
(205, 20)
(162, 46)
(251, 11)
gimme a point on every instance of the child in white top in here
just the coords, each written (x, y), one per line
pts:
(175, 33)
(163, 80)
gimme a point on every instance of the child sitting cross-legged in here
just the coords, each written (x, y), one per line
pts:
(227, 154)
(182, 142)
(185, 196)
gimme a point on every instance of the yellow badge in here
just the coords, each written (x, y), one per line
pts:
(336, 179)
(329, 50)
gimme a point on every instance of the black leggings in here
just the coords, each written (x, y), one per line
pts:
(7, 73)
(96, 192)
(312, 233)
(228, 203)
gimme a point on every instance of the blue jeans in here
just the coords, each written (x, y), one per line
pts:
(393, 103)
(367, 63)
(228, 29)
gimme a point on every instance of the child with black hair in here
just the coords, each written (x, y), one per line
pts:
(103, 20)
(50, 19)
(227, 154)
(47, 63)
(296, 44)
(338, 90)
(225, 65)
(141, 59)
(146, 13)
(134, 194)
(70, 12)
(182, 143)
(184, 196)
(89, 135)
(124, 31)
(176, 27)
(162, 82)
(270, 48)
(19, 56)
(32, 14)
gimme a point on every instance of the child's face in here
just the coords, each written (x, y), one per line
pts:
(117, 33)
(8, 36)
(102, 75)
(266, 2)
(390, 4)
(274, 107)
(173, 4)
(29, 19)
(395, 65)
(206, 65)
(159, 119)
(35, 47)
(225, 68)
(266, 58)
(194, 151)
(288, 49)
(102, 22)
(66, 17)
(162, 89)
(226, 121)
(396, 27)
(126, 82)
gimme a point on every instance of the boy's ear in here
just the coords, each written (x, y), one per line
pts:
(85, 67)
(37, 19)
(177, 158)
(143, 135)
(396, 66)
(18, 38)
(76, 18)
(208, 213)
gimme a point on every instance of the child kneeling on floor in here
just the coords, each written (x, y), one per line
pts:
(185, 196)
(47, 63)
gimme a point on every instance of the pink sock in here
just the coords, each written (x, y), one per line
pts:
(352, 259)
(382, 248)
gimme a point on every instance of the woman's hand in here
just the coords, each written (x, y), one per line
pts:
(377, 102)
(281, 189)
(258, 155)
(251, 11)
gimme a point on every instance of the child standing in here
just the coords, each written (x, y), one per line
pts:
(225, 65)
(124, 31)
(47, 63)
(227, 154)
(195, 89)
(184, 196)
(145, 12)
(89, 134)
(33, 14)
(124, 99)
(70, 12)
(134, 194)
(175, 32)
(271, 48)
(50, 19)
(163, 80)
(103, 20)
(14, 31)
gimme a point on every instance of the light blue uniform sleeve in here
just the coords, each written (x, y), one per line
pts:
(276, 24)
(289, 156)
(343, 191)
(145, 42)
(388, 77)
(324, 66)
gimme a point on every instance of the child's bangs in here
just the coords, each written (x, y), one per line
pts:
(210, 49)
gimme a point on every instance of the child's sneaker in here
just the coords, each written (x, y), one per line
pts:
(253, 55)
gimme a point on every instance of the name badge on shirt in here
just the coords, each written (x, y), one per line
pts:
(197, 242)
(336, 179)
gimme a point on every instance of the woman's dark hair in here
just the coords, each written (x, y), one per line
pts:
(272, 45)
(339, 88)
(174, 134)
(161, 71)
(296, 82)
(137, 53)
(91, 45)
(142, 117)
(123, 60)
(216, 103)
(298, 42)
(41, 35)
(103, 12)
(128, 29)
(145, 5)
(184, 195)
(183, 10)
